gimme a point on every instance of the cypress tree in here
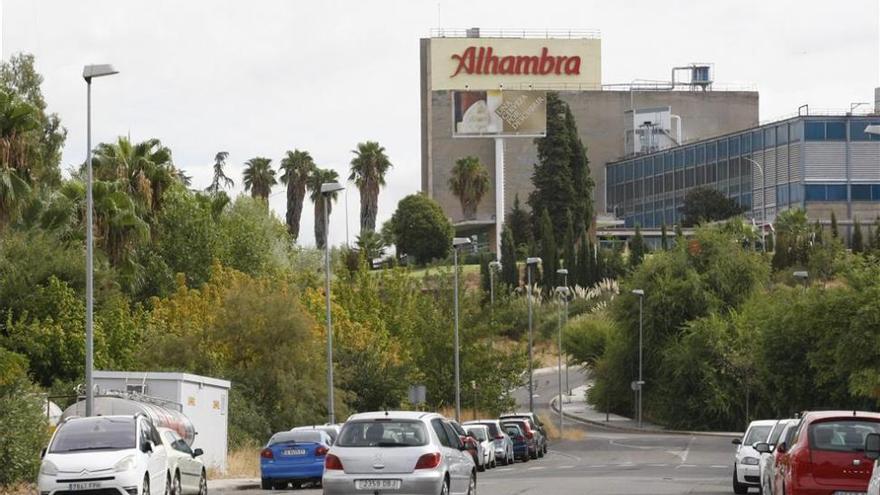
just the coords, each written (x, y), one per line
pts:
(834, 233)
(583, 264)
(664, 242)
(858, 243)
(520, 224)
(636, 248)
(509, 270)
(549, 252)
(536, 271)
(599, 266)
(485, 280)
(569, 253)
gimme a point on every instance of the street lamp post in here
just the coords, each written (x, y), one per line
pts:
(457, 242)
(493, 267)
(641, 382)
(563, 293)
(90, 72)
(531, 262)
(327, 190)
(763, 202)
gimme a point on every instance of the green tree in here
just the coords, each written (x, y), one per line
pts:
(421, 229)
(569, 249)
(707, 204)
(297, 167)
(371, 245)
(520, 224)
(469, 182)
(320, 176)
(585, 264)
(509, 270)
(368, 169)
(549, 252)
(637, 248)
(19, 121)
(188, 239)
(220, 180)
(793, 236)
(252, 241)
(857, 244)
(664, 241)
(259, 177)
(835, 234)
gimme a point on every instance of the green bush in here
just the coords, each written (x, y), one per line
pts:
(23, 425)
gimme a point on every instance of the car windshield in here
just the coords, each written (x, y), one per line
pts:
(479, 433)
(843, 435)
(383, 433)
(777, 432)
(310, 436)
(512, 430)
(95, 434)
(757, 433)
(493, 428)
(329, 431)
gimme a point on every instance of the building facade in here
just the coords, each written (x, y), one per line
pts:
(822, 164)
(609, 117)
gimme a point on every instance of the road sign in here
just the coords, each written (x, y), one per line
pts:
(417, 394)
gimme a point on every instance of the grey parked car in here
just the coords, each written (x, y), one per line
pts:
(399, 452)
(503, 443)
(535, 425)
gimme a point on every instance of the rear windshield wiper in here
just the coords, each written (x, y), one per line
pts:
(392, 444)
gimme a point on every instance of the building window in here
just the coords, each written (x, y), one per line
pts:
(710, 152)
(836, 192)
(689, 178)
(815, 192)
(770, 138)
(658, 184)
(857, 131)
(746, 143)
(734, 147)
(649, 167)
(814, 131)
(689, 157)
(797, 129)
(628, 168)
(667, 162)
(835, 131)
(861, 192)
(722, 149)
(679, 159)
(701, 175)
(757, 140)
(639, 169)
(701, 155)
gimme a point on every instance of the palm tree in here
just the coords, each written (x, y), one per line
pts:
(371, 245)
(469, 183)
(220, 180)
(368, 169)
(318, 177)
(259, 177)
(297, 166)
(18, 120)
(146, 168)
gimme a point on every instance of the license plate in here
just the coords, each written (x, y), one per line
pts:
(90, 485)
(849, 493)
(377, 484)
(294, 452)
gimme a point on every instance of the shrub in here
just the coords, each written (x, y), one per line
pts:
(23, 425)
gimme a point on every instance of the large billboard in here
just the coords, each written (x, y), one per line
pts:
(499, 113)
(515, 63)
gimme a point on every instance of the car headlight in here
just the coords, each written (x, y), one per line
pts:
(750, 461)
(126, 464)
(48, 468)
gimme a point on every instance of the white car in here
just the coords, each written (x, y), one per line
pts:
(746, 464)
(331, 430)
(782, 433)
(188, 473)
(104, 454)
(481, 434)
(872, 451)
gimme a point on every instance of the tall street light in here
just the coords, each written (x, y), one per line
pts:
(640, 382)
(457, 242)
(531, 263)
(494, 266)
(563, 294)
(90, 72)
(327, 191)
(763, 201)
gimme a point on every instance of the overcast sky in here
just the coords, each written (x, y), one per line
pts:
(256, 78)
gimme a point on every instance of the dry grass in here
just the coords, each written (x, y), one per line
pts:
(243, 462)
(467, 414)
(18, 489)
(551, 426)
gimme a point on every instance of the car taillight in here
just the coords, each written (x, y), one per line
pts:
(332, 462)
(428, 461)
(529, 434)
(267, 454)
(321, 450)
(499, 437)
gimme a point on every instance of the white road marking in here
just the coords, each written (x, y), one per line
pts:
(685, 465)
(658, 465)
(536, 468)
(597, 466)
(504, 470)
(682, 454)
(566, 467)
(719, 466)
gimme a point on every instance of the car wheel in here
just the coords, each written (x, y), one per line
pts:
(146, 486)
(472, 486)
(526, 457)
(266, 484)
(203, 484)
(168, 485)
(444, 490)
(481, 467)
(175, 485)
(533, 455)
(541, 452)
(545, 447)
(738, 487)
(280, 485)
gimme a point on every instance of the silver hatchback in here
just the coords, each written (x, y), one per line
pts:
(404, 453)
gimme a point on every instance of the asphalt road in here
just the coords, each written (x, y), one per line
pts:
(603, 462)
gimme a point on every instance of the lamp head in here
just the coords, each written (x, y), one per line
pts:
(533, 261)
(638, 292)
(99, 70)
(460, 241)
(562, 271)
(801, 275)
(495, 265)
(873, 129)
(331, 187)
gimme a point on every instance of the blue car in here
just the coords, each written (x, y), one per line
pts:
(520, 444)
(293, 457)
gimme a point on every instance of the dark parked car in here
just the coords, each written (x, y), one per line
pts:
(536, 426)
(520, 445)
(530, 434)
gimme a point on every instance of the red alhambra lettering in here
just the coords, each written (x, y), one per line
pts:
(485, 61)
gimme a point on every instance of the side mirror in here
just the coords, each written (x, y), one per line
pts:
(872, 446)
(781, 447)
(198, 452)
(736, 441)
(763, 447)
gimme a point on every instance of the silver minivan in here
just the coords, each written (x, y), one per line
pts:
(402, 452)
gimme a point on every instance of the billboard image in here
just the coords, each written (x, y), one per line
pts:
(499, 113)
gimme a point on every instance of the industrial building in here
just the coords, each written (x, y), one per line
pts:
(820, 163)
(614, 120)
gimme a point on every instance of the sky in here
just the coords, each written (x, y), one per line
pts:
(259, 77)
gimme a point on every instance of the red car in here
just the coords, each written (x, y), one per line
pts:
(470, 444)
(826, 455)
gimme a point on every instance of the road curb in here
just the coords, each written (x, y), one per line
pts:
(723, 434)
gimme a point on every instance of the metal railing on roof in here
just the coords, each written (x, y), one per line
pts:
(823, 112)
(515, 33)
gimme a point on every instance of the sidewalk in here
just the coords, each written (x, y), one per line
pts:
(575, 407)
(232, 484)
